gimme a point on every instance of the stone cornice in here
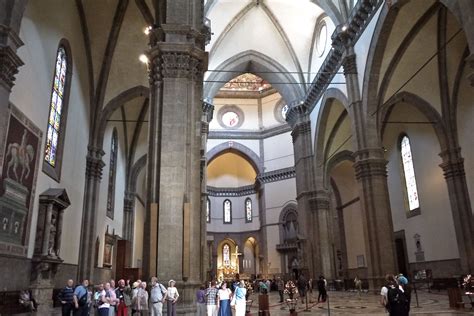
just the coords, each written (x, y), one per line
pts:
(277, 175)
(266, 177)
(9, 64)
(229, 192)
(361, 15)
(281, 129)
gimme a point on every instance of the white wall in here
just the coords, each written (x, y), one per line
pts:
(41, 30)
(435, 224)
(238, 215)
(103, 221)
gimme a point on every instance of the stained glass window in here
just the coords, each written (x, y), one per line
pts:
(248, 210)
(227, 212)
(208, 210)
(226, 255)
(112, 173)
(56, 107)
(409, 174)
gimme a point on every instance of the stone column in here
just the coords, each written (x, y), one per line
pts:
(312, 219)
(371, 174)
(174, 224)
(470, 62)
(453, 168)
(94, 166)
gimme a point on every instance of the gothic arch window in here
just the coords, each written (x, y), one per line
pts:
(408, 175)
(290, 225)
(227, 212)
(112, 174)
(226, 255)
(248, 210)
(208, 210)
(57, 114)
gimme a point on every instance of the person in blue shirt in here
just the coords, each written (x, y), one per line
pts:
(66, 298)
(80, 299)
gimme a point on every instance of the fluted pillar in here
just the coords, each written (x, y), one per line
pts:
(173, 231)
(453, 169)
(94, 167)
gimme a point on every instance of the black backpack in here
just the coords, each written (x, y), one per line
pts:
(398, 303)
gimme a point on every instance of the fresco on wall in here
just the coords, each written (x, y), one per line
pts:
(17, 182)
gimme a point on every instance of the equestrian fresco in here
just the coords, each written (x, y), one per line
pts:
(17, 182)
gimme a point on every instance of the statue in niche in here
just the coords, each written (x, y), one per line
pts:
(52, 236)
(17, 227)
(5, 223)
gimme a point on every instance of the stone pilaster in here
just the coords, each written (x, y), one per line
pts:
(94, 168)
(453, 169)
(207, 113)
(177, 63)
(371, 173)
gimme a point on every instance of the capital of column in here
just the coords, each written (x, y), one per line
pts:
(207, 111)
(297, 113)
(128, 201)
(453, 163)
(9, 60)
(370, 162)
(300, 129)
(319, 201)
(94, 163)
(349, 64)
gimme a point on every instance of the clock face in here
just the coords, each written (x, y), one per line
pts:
(284, 110)
(230, 119)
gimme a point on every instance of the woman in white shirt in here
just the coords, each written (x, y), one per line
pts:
(171, 297)
(104, 301)
(225, 295)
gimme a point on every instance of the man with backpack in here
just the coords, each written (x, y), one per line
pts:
(393, 298)
(80, 299)
(157, 294)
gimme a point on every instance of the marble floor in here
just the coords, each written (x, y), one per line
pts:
(349, 303)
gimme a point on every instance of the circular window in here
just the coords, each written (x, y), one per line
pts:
(322, 38)
(284, 110)
(230, 116)
(230, 119)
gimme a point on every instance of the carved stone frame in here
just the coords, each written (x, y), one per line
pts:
(7, 248)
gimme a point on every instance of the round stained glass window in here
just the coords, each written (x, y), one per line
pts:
(230, 119)
(322, 38)
(284, 111)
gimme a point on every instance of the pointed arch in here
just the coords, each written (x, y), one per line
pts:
(238, 149)
(421, 105)
(259, 64)
(113, 105)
